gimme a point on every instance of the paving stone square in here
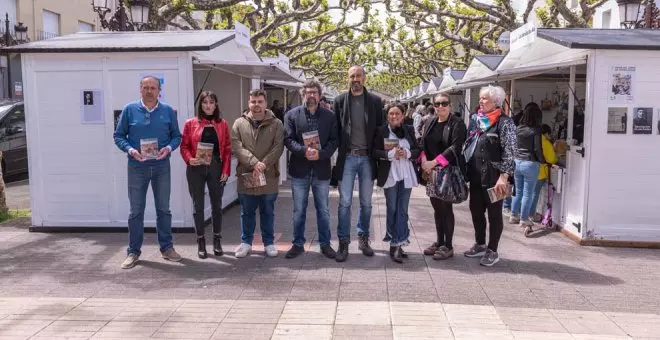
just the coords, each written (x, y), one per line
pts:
(69, 285)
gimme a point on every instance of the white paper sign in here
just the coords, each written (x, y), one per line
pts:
(91, 107)
(522, 36)
(622, 84)
(242, 34)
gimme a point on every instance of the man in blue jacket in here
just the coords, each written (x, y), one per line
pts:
(148, 131)
(311, 136)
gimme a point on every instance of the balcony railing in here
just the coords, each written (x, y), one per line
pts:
(42, 35)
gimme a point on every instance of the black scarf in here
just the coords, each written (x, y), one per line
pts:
(399, 132)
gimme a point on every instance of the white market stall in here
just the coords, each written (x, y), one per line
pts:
(609, 181)
(78, 176)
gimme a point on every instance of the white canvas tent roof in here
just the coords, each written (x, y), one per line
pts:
(221, 49)
(531, 60)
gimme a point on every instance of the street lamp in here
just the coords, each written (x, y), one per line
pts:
(629, 13)
(20, 32)
(120, 21)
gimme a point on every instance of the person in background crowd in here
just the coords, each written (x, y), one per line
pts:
(325, 104)
(529, 157)
(544, 171)
(516, 120)
(139, 123)
(418, 118)
(358, 114)
(489, 151)
(311, 136)
(207, 127)
(397, 176)
(257, 141)
(407, 119)
(442, 142)
(278, 110)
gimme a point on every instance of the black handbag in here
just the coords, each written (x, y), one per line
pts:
(448, 184)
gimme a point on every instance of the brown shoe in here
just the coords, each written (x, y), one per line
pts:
(443, 253)
(432, 249)
(172, 255)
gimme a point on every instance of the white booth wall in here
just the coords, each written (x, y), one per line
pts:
(622, 185)
(78, 175)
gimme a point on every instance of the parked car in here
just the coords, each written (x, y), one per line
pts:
(13, 142)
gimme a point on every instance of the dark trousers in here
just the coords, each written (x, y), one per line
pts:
(443, 212)
(479, 206)
(199, 177)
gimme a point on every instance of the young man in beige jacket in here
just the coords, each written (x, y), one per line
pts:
(257, 141)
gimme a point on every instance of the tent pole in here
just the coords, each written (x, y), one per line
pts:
(512, 97)
(571, 105)
(242, 95)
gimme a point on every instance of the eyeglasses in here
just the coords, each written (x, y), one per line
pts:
(443, 104)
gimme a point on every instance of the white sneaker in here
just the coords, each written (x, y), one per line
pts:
(271, 251)
(243, 250)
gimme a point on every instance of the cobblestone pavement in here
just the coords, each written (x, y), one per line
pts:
(546, 287)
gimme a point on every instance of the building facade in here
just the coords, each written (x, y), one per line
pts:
(44, 19)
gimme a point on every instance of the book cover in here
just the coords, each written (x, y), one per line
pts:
(391, 143)
(204, 152)
(312, 140)
(149, 148)
(494, 197)
(251, 181)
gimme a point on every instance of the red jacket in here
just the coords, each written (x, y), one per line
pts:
(192, 134)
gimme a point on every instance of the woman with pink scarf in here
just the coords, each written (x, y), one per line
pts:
(489, 152)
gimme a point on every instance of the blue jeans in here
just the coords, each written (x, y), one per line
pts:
(507, 203)
(300, 191)
(526, 175)
(359, 166)
(138, 183)
(537, 192)
(396, 201)
(266, 205)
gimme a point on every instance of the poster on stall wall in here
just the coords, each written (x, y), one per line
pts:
(617, 120)
(91, 107)
(622, 84)
(161, 78)
(642, 120)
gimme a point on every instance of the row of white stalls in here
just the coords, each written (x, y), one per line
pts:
(599, 92)
(77, 175)
(422, 93)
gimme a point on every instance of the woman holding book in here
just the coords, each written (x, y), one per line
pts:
(394, 147)
(442, 141)
(206, 149)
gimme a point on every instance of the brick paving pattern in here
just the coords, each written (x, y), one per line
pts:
(56, 286)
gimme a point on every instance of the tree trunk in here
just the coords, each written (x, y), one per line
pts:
(3, 197)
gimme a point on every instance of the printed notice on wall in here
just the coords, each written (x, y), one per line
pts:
(617, 120)
(622, 84)
(91, 107)
(642, 120)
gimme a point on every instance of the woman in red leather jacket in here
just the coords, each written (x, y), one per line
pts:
(206, 149)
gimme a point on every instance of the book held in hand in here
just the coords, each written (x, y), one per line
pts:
(391, 143)
(494, 197)
(149, 148)
(251, 181)
(312, 140)
(204, 151)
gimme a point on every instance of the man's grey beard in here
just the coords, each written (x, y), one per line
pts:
(311, 102)
(356, 87)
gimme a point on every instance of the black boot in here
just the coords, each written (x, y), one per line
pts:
(217, 247)
(201, 247)
(396, 255)
(364, 246)
(342, 252)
